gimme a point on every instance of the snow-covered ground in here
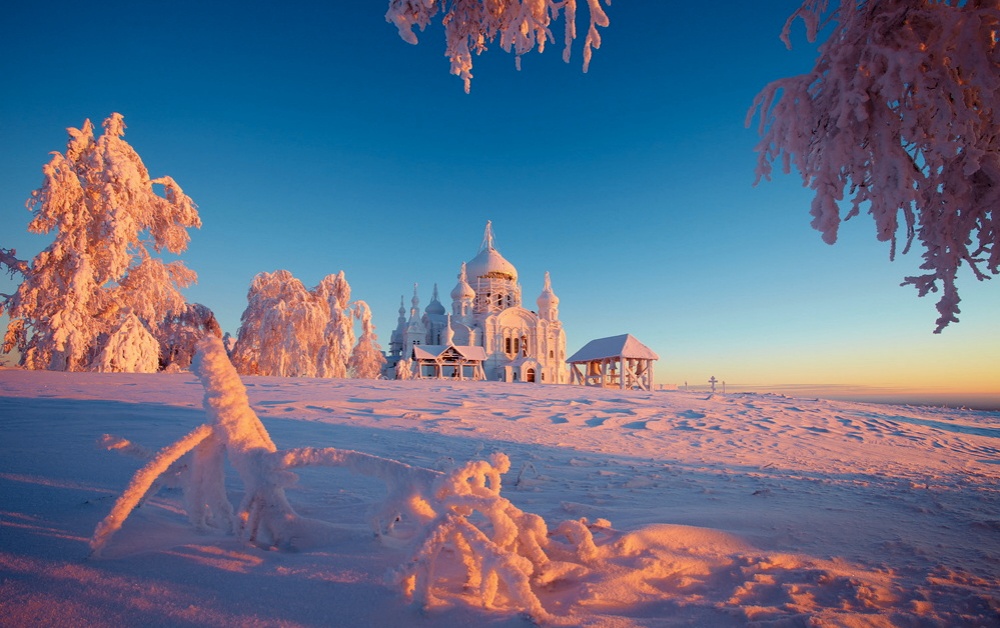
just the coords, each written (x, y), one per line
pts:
(724, 510)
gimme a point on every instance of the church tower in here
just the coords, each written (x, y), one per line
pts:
(462, 297)
(416, 332)
(493, 278)
(548, 302)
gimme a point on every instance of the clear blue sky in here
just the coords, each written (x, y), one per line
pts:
(313, 139)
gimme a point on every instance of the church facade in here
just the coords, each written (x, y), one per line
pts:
(487, 321)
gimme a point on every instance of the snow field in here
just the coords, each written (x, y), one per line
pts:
(721, 510)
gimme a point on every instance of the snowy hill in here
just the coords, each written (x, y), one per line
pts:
(720, 510)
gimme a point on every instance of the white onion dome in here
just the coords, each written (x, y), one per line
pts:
(462, 289)
(435, 307)
(489, 263)
(547, 298)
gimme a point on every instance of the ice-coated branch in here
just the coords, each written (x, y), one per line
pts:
(140, 485)
(899, 117)
(522, 25)
(265, 515)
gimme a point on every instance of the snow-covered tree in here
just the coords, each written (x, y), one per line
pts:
(521, 25)
(366, 360)
(98, 271)
(288, 330)
(131, 348)
(338, 337)
(178, 334)
(404, 369)
(899, 116)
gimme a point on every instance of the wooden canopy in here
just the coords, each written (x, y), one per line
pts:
(613, 362)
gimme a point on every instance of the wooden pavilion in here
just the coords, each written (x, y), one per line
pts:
(448, 362)
(615, 362)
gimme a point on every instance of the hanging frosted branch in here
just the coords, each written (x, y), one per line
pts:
(898, 117)
(522, 25)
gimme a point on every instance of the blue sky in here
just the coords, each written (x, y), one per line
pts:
(313, 139)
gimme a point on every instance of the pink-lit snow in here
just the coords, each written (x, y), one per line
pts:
(724, 510)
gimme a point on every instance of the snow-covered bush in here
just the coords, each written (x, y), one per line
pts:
(507, 554)
(899, 116)
(98, 270)
(521, 24)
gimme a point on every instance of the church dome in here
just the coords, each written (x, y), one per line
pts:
(462, 289)
(435, 307)
(547, 298)
(489, 263)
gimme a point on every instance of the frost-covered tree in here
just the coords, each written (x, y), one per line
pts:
(521, 25)
(899, 116)
(404, 369)
(98, 271)
(178, 334)
(366, 360)
(288, 330)
(130, 348)
(338, 337)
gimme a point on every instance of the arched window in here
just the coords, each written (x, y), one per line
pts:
(529, 375)
(524, 345)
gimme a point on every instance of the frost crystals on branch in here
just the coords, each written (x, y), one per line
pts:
(521, 24)
(450, 520)
(901, 114)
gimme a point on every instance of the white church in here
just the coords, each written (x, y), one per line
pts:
(488, 335)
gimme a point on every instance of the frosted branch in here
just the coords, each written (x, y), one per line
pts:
(141, 483)
(899, 116)
(522, 25)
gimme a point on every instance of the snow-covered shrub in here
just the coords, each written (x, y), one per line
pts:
(506, 553)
